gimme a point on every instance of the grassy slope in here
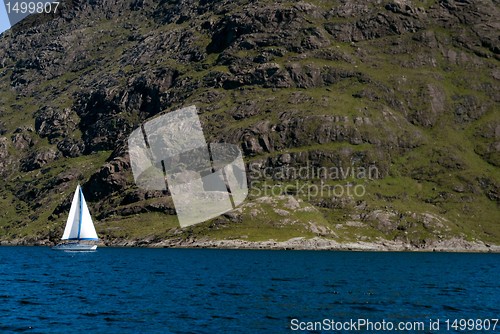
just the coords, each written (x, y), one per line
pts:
(404, 195)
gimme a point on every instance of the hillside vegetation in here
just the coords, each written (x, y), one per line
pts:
(407, 88)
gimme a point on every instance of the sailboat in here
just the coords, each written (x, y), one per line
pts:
(79, 227)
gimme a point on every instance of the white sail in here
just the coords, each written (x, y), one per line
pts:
(79, 225)
(71, 229)
(87, 229)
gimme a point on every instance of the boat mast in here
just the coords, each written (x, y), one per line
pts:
(81, 211)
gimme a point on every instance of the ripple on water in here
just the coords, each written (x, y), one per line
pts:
(25, 301)
(282, 279)
(451, 308)
(225, 317)
(365, 308)
(15, 329)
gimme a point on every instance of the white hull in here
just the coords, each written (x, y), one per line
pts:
(76, 247)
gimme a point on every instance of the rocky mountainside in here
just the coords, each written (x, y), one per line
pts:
(409, 89)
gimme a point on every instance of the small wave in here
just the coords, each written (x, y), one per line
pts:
(28, 302)
(84, 299)
(282, 279)
(185, 316)
(91, 314)
(223, 317)
(365, 308)
(234, 293)
(24, 280)
(271, 317)
(16, 329)
(159, 273)
(453, 289)
(451, 308)
(417, 305)
(110, 313)
(101, 314)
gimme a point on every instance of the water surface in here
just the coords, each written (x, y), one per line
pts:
(119, 290)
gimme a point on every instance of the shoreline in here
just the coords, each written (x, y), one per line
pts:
(320, 244)
(312, 244)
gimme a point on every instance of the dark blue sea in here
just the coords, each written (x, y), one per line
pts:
(117, 290)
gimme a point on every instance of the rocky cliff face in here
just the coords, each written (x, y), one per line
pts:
(408, 87)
